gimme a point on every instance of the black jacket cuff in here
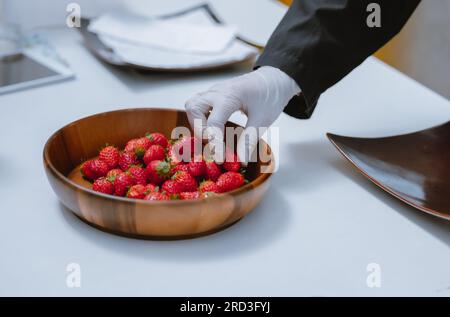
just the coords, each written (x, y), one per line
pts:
(301, 106)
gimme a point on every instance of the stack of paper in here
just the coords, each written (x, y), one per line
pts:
(247, 15)
(187, 41)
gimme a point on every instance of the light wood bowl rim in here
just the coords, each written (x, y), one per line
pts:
(48, 163)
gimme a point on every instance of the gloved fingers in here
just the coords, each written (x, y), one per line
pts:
(196, 109)
(248, 140)
(222, 109)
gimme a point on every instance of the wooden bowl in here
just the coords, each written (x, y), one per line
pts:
(67, 148)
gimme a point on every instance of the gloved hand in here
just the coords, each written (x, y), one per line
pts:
(261, 95)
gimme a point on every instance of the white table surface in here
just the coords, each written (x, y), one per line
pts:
(314, 234)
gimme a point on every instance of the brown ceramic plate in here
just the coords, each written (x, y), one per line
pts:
(413, 167)
(80, 140)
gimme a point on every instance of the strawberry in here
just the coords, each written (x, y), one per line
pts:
(208, 187)
(136, 192)
(231, 162)
(122, 183)
(100, 168)
(111, 176)
(212, 171)
(150, 188)
(94, 169)
(153, 153)
(157, 138)
(187, 147)
(196, 168)
(110, 155)
(187, 144)
(139, 175)
(157, 172)
(142, 145)
(103, 185)
(189, 195)
(179, 167)
(192, 144)
(156, 196)
(127, 159)
(174, 156)
(171, 187)
(138, 146)
(229, 181)
(131, 145)
(186, 181)
(86, 170)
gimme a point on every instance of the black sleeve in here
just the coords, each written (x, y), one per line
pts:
(318, 42)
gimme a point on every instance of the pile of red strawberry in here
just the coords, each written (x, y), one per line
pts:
(151, 168)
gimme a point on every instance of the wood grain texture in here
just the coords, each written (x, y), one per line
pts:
(67, 148)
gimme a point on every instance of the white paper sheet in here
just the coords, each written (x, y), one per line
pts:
(245, 14)
(157, 8)
(153, 57)
(156, 58)
(248, 16)
(171, 34)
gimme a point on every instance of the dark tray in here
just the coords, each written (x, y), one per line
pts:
(414, 168)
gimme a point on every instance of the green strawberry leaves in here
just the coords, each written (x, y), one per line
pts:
(163, 168)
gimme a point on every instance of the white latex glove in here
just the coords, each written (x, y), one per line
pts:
(261, 95)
